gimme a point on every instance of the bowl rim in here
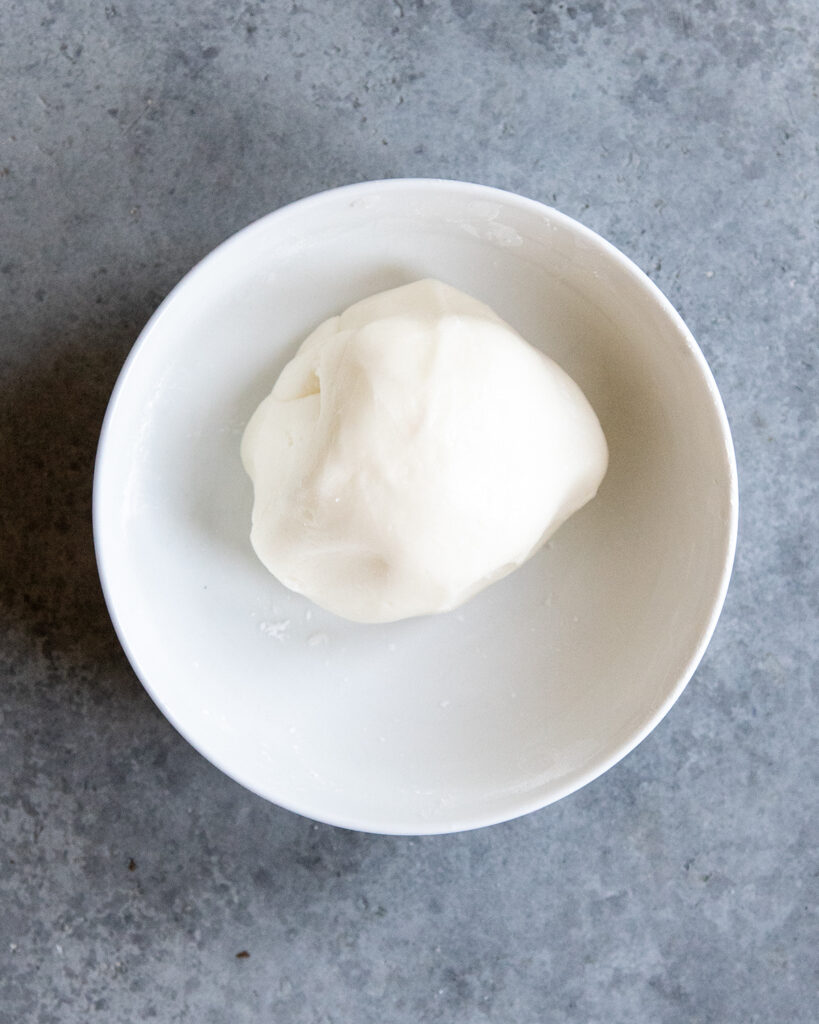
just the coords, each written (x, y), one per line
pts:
(517, 805)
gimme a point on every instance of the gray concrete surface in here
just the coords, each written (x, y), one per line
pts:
(681, 886)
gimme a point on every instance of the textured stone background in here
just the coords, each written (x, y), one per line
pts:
(681, 886)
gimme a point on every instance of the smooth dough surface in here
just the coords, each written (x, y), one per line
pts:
(415, 450)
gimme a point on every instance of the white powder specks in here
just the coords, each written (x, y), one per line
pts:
(278, 630)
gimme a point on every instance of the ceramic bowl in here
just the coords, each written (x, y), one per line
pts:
(441, 723)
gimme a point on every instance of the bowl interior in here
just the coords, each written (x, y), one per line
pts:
(445, 722)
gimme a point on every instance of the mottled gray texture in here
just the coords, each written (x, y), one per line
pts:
(681, 886)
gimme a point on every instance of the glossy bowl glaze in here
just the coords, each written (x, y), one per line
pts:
(449, 722)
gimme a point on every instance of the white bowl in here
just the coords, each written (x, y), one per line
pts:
(447, 722)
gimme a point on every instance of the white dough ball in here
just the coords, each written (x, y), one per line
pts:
(415, 450)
